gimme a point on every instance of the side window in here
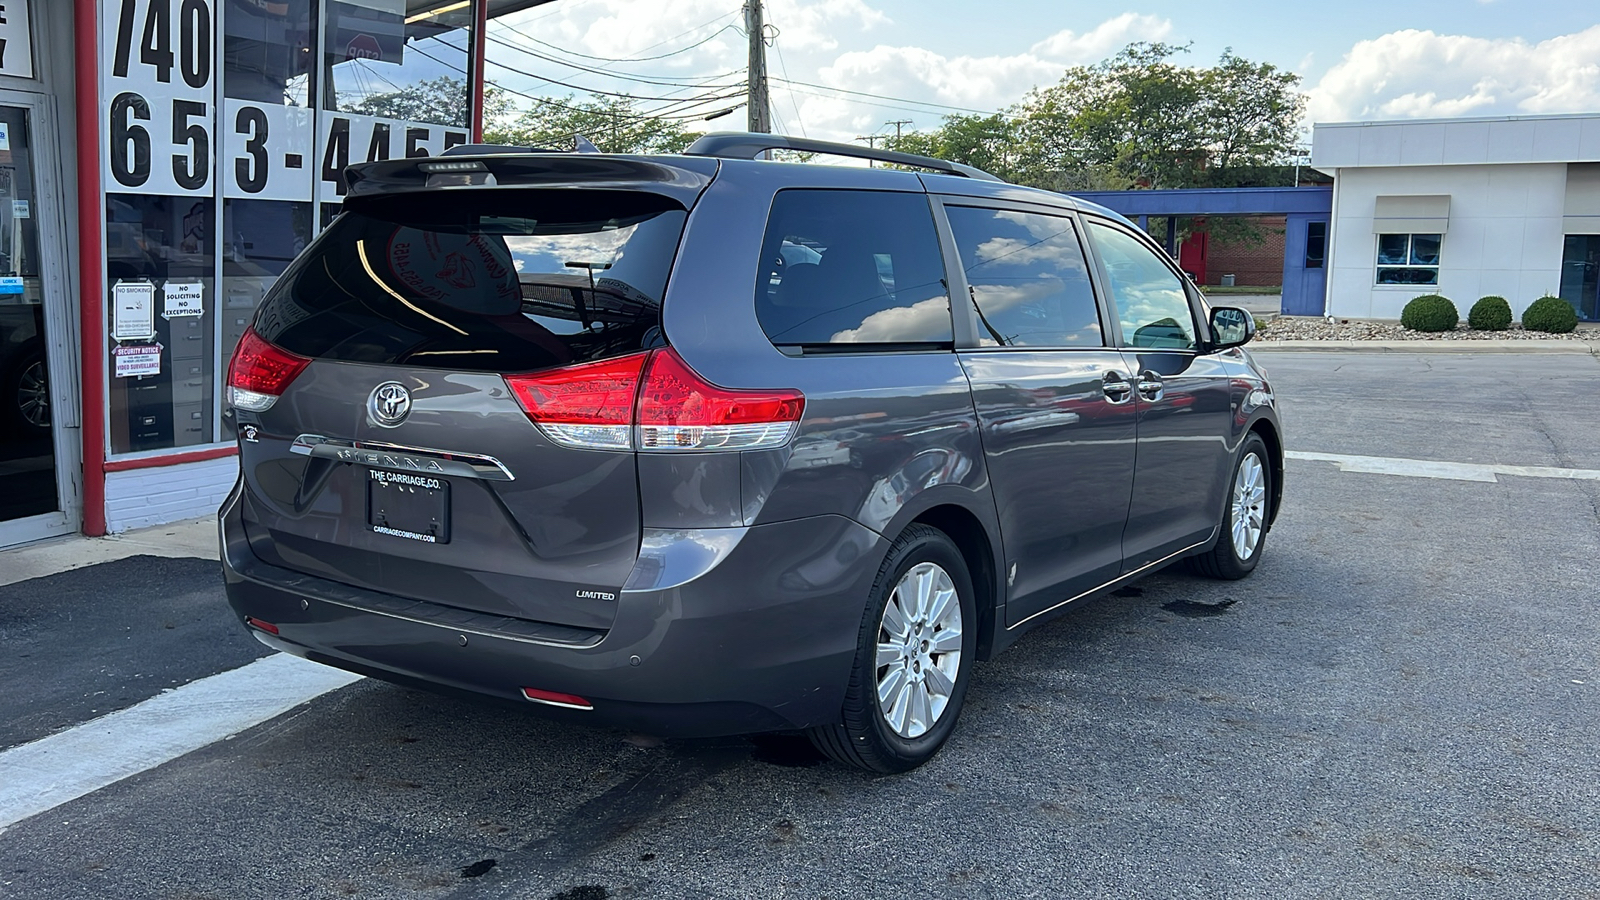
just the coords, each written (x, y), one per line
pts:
(852, 268)
(1028, 278)
(1150, 301)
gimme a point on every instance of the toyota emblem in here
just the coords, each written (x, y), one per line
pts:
(389, 404)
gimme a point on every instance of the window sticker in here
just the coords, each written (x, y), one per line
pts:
(136, 360)
(133, 308)
(182, 300)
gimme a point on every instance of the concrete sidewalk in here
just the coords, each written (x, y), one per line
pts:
(189, 538)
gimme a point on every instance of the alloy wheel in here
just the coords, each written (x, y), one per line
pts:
(33, 395)
(1249, 505)
(919, 650)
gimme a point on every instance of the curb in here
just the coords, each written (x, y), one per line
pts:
(1429, 346)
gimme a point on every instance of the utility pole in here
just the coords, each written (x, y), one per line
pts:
(758, 108)
(897, 123)
(871, 140)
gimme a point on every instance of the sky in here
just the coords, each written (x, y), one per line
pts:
(1358, 59)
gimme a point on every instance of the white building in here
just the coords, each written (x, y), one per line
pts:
(1506, 206)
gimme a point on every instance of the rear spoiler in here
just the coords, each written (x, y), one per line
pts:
(683, 178)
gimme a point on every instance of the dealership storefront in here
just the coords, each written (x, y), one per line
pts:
(161, 162)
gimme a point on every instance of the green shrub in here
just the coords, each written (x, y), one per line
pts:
(1551, 315)
(1430, 312)
(1490, 314)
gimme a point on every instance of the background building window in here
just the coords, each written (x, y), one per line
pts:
(1408, 258)
(1580, 274)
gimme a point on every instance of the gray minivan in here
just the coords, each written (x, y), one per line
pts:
(708, 444)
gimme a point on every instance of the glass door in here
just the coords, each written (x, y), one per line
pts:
(1580, 274)
(32, 319)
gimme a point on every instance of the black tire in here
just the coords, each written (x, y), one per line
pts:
(863, 737)
(1224, 560)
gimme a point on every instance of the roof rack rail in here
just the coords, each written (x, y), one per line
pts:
(749, 145)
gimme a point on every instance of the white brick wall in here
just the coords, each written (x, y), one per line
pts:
(141, 497)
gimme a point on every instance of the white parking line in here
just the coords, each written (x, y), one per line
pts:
(1428, 468)
(46, 773)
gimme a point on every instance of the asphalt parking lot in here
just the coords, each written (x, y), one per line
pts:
(1402, 701)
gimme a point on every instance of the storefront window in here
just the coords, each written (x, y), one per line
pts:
(260, 238)
(268, 64)
(398, 60)
(393, 84)
(160, 264)
(211, 200)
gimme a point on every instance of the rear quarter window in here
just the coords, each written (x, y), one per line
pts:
(507, 281)
(852, 270)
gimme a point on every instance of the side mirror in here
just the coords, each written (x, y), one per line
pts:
(1231, 327)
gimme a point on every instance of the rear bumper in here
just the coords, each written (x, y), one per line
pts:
(762, 639)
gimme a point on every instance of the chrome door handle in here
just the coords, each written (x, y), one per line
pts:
(1116, 388)
(1150, 385)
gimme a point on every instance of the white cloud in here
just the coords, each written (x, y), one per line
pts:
(817, 25)
(1103, 40)
(1408, 74)
(973, 82)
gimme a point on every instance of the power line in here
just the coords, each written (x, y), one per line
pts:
(784, 68)
(965, 109)
(566, 84)
(559, 105)
(686, 49)
(675, 82)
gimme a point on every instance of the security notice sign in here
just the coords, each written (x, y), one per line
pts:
(16, 39)
(158, 59)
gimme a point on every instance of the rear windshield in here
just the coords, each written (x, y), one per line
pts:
(502, 281)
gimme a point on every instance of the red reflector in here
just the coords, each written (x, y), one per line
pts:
(555, 698)
(260, 367)
(674, 394)
(598, 393)
(268, 627)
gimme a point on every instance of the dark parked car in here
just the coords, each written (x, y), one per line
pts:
(707, 444)
(24, 384)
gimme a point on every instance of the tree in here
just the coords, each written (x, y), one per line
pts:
(1251, 115)
(987, 142)
(1135, 120)
(442, 101)
(612, 124)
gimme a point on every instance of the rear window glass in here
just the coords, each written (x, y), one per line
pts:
(848, 268)
(505, 281)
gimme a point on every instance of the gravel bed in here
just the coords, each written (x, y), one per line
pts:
(1308, 328)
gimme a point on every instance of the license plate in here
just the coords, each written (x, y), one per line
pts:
(410, 506)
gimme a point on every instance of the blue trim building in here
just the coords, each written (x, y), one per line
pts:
(1307, 212)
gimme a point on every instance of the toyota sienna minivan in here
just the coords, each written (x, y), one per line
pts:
(708, 444)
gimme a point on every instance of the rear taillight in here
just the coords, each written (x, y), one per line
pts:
(679, 410)
(259, 373)
(588, 406)
(604, 406)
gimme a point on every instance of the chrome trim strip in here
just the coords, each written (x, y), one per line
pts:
(458, 629)
(399, 456)
(1123, 577)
